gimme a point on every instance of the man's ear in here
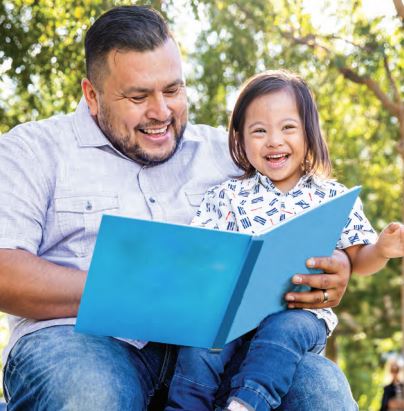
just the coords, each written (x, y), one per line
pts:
(91, 96)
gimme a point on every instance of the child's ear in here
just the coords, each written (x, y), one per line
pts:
(306, 164)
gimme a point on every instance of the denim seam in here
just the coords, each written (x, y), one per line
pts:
(15, 370)
(164, 367)
(275, 345)
(11, 366)
(194, 382)
(5, 388)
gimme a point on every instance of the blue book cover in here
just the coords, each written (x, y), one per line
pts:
(193, 286)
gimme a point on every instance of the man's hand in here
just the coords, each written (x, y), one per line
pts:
(334, 282)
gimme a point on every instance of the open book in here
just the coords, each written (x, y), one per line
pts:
(193, 286)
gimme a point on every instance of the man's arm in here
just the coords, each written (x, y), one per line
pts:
(32, 287)
(338, 271)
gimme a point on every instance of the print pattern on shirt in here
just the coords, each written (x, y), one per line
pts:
(255, 204)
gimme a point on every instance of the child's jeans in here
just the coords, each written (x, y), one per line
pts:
(266, 374)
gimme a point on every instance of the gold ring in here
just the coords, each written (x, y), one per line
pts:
(325, 296)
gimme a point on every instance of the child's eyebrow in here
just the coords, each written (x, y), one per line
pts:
(261, 123)
(256, 123)
(291, 119)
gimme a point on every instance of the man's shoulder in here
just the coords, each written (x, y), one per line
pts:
(49, 128)
(203, 132)
(212, 145)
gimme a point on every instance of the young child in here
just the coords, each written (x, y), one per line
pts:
(275, 139)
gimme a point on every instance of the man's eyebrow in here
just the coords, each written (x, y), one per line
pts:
(134, 89)
(178, 82)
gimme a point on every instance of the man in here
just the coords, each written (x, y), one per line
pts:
(127, 149)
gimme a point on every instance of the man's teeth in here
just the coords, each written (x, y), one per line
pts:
(155, 130)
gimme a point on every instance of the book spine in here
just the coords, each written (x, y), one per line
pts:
(238, 292)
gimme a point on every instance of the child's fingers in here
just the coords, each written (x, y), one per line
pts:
(393, 227)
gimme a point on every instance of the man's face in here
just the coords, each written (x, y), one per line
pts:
(141, 103)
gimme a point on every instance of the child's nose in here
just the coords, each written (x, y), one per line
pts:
(274, 139)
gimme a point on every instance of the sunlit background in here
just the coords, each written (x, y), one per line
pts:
(349, 51)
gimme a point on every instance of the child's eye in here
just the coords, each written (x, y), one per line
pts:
(259, 131)
(289, 127)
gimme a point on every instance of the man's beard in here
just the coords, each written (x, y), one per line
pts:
(134, 151)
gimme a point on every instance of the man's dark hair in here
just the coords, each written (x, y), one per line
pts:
(316, 159)
(124, 28)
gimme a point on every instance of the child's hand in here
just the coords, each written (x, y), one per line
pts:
(391, 241)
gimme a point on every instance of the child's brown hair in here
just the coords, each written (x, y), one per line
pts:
(316, 159)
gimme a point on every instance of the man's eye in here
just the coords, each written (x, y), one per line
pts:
(172, 91)
(138, 99)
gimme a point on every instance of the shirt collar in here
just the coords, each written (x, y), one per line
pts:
(305, 181)
(87, 132)
(90, 135)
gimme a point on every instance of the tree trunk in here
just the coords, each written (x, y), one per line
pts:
(331, 351)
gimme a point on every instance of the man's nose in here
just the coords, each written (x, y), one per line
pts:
(158, 108)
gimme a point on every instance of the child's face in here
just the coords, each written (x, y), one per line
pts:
(274, 138)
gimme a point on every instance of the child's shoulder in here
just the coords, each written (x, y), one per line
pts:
(231, 186)
(328, 184)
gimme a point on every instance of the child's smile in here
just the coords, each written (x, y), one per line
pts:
(277, 160)
(274, 138)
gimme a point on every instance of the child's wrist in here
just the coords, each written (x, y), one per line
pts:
(380, 252)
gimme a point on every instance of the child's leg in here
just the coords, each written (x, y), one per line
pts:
(197, 377)
(276, 349)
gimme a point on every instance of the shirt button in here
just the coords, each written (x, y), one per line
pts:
(152, 200)
(89, 206)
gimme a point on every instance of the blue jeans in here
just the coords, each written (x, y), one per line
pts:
(56, 369)
(266, 374)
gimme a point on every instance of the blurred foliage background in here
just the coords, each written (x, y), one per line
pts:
(353, 61)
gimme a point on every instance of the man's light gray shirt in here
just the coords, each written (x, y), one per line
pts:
(58, 176)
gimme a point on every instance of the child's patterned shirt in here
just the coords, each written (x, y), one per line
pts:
(254, 204)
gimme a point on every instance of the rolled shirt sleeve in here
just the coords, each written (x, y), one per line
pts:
(358, 230)
(24, 194)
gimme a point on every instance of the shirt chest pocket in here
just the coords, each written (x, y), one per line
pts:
(79, 217)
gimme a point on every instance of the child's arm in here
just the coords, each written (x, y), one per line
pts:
(368, 259)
